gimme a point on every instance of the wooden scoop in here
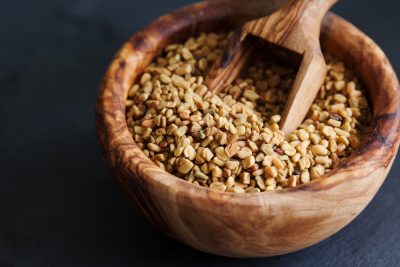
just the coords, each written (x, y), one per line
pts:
(294, 27)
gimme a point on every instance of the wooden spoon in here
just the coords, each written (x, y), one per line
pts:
(294, 27)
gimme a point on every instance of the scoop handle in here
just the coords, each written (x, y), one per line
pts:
(304, 15)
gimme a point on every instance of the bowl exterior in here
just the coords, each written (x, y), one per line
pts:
(253, 225)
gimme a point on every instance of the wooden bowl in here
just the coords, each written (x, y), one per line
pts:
(260, 224)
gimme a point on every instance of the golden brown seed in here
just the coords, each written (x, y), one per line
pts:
(317, 172)
(230, 182)
(248, 162)
(305, 177)
(153, 147)
(319, 150)
(245, 153)
(278, 163)
(146, 77)
(218, 186)
(200, 175)
(251, 95)
(245, 178)
(186, 69)
(203, 64)
(189, 152)
(217, 172)
(232, 149)
(270, 171)
(185, 166)
(165, 79)
(237, 189)
(293, 181)
(260, 182)
(288, 149)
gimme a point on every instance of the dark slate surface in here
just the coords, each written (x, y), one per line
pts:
(59, 206)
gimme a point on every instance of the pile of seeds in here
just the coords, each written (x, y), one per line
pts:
(232, 142)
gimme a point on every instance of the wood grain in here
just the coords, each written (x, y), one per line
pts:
(294, 27)
(251, 225)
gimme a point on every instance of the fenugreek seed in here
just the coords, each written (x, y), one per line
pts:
(288, 149)
(270, 182)
(189, 152)
(341, 132)
(196, 118)
(232, 149)
(270, 171)
(303, 134)
(218, 162)
(218, 186)
(341, 148)
(185, 166)
(232, 129)
(186, 54)
(327, 131)
(245, 153)
(181, 131)
(267, 149)
(334, 123)
(245, 178)
(340, 98)
(343, 140)
(324, 143)
(220, 153)
(186, 69)
(253, 146)
(251, 95)
(153, 147)
(165, 79)
(146, 77)
(324, 161)
(232, 165)
(241, 130)
(205, 168)
(339, 85)
(315, 139)
(305, 177)
(260, 182)
(216, 172)
(179, 82)
(260, 157)
(200, 175)
(278, 163)
(293, 181)
(203, 64)
(230, 182)
(207, 154)
(201, 90)
(148, 123)
(319, 150)
(317, 172)
(237, 189)
(354, 142)
(276, 118)
(248, 162)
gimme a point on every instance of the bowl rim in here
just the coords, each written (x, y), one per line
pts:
(111, 125)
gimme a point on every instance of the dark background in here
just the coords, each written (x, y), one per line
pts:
(59, 205)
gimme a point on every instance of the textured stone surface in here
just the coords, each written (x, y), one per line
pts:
(59, 205)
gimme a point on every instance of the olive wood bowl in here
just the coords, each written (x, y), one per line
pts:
(258, 224)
